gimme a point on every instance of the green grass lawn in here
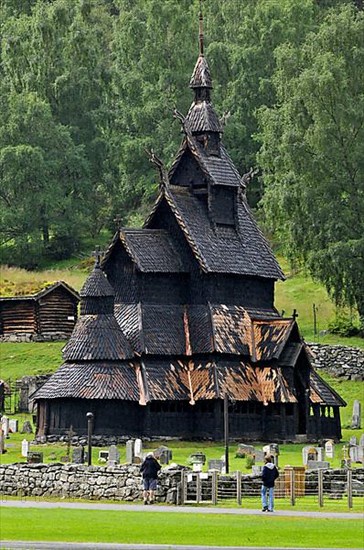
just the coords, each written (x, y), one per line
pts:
(174, 528)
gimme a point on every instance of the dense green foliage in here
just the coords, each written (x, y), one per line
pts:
(313, 154)
(87, 85)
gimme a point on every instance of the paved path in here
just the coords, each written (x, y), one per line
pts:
(174, 509)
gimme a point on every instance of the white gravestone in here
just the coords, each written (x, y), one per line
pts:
(13, 426)
(5, 426)
(329, 449)
(138, 448)
(24, 448)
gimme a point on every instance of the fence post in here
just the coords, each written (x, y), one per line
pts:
(292, 492)
(214, 487)
(238, 487)
(320, 483)
(183, 487)
(350, 488)
(198, 488)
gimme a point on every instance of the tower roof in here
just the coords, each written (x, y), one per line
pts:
(201, 76)
(96, 285)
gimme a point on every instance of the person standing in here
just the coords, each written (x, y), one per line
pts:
(269, 475)
(149, 470)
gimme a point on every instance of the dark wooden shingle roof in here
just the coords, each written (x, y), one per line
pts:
(152, 250)
(92, 380)
(97, 338)
(321, 393)
(244, 251)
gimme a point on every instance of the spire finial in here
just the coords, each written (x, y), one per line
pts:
(200, 36)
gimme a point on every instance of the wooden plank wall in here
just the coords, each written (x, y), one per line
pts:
(18, 317)
(54, 312)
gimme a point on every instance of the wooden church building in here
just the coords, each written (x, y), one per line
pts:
(180, 314)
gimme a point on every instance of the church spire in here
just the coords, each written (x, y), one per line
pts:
(200, 36)
(202, 119)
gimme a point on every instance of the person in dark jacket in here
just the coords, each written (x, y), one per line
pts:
(269, 475)
(149, 470)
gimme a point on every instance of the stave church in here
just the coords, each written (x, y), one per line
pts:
(179, 316)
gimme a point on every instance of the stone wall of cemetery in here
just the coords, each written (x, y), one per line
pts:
(339, 361)
(124, 483)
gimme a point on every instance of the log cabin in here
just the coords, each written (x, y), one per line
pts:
(48, 314)
(179, 317)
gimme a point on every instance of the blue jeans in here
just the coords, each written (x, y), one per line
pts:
(268, 502)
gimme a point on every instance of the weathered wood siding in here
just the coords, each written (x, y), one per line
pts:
(18, 317)
(56, 312)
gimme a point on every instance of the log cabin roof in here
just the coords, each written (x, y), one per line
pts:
(97, 338)
(321, 393)
(43, 292)
(152, 250)
(241, 251)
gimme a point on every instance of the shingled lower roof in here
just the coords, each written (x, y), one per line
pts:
(185, 379)
(321, 393)
(102, 380)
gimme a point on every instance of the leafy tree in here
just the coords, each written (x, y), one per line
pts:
(312, 154)
(43, 174)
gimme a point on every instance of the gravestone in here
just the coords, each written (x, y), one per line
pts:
(130, 451)
(245, 450)
(24, 448)
(138, 448)
(27, 428)
(163, 454)
(259, 456)
(353, 440)
(310, 453)
(103, 455)
(356, 418)
(34, 457)
(329, 449)
(13, 426)
(354, 453)
(114, 456)
(5, 426)
(78, 455)
(216, 464)
(197, 460)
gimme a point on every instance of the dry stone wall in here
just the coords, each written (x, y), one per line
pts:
(339, 361)
(124, 482)
(79, 481)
